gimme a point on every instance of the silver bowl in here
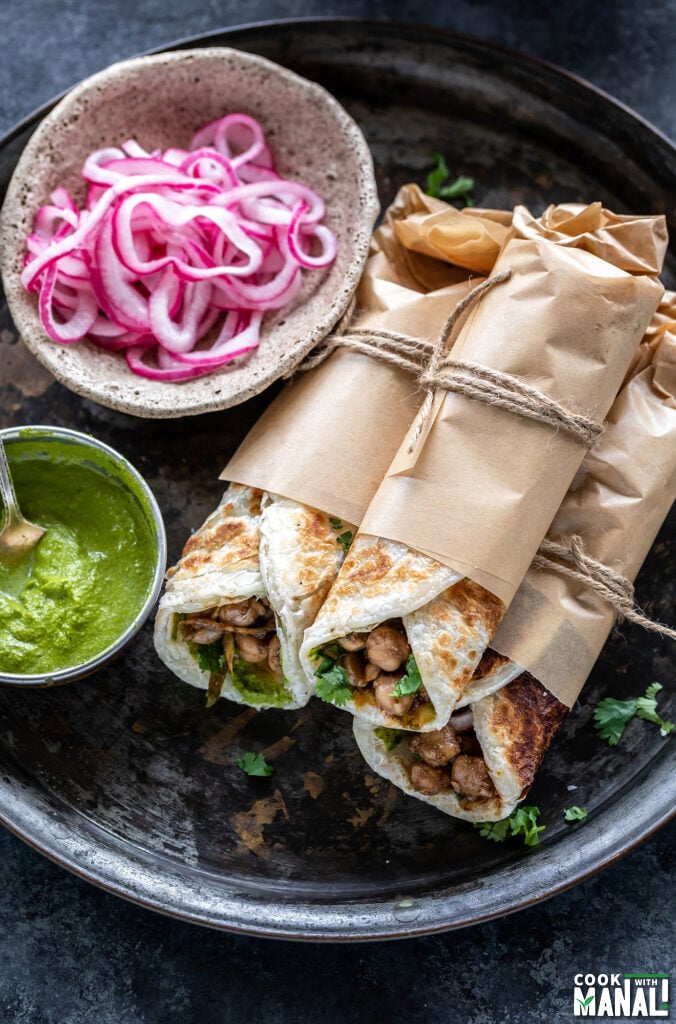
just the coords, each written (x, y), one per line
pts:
(109, 462)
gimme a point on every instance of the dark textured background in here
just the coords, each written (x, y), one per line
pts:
(70, 954)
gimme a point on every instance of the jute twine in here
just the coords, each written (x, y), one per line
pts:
(570, 559)
(435, 369)
(394, 347)
(492, 386)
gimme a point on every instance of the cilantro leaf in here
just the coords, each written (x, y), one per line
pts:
(438, 177)
(390, 738)
(337, 524)
(210, 657)
(575, 813)
(495, 830)
(334, 686)
(411, 682)
(254, 764)
(459, 189)
(438, 185)
(522, 821)
(345, 539)
(646, 708)
(611, 717)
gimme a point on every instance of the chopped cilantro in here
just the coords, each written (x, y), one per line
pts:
(409, 683)
(327, 657)
(495, 830)
(325, 666)
(334, 686)
(337, 524)
(575, 813)
(646, 708)
(345, 539)
(254, 764)
(390, 738)
(438, 177)
(438, 185)
(611, 717)
(210, 657)
(522, 821)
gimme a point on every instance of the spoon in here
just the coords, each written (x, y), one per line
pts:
(17, 536)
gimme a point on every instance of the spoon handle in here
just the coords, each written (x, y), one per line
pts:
(7, 489)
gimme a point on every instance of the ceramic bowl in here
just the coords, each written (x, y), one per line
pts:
(161, 101)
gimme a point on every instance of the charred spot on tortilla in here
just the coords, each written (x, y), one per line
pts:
(373, 564)
(255, 501)
(526, 716)
(212, 539)
(490, 661)
(478, 606)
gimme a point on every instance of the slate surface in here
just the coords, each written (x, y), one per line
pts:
(70, 954)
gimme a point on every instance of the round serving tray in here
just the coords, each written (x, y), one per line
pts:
(128, 781)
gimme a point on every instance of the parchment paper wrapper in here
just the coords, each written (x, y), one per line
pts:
(555, 626)
(319, 452)
(483, 484)
(330, 436)
(457, 520)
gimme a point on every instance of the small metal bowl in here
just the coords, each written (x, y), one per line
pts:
(100, 458)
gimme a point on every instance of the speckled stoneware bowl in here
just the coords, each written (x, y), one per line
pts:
(161, 101)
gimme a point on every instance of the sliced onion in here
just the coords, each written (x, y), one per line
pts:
(169, 244)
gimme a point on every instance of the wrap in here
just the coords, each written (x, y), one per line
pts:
(304, 475)
(256, 555)
(555, 626)
(452, 529)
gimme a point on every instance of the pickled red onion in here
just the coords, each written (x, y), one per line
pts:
(171, 244)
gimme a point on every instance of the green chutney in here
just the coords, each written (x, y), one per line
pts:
(90, 574)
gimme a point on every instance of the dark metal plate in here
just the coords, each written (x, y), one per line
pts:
(128, 781)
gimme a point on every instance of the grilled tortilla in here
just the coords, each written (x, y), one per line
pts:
(447, 620)
(258, 558)
(512, 729)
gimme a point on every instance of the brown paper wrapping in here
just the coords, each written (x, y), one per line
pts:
(430, 227)
(329, 437)
(555, 628)
(483, 484)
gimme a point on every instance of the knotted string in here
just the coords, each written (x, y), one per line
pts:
(483, 384)
(570, 559)
(436, 369)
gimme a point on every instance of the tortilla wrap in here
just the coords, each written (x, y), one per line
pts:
(514, 728)
(617, 505)
(450, 532)
(444, 615)
(253, 546)
(338, 427)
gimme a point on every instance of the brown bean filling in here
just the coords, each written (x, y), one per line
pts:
(445, 760)
(246, 629)
(374, 663)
